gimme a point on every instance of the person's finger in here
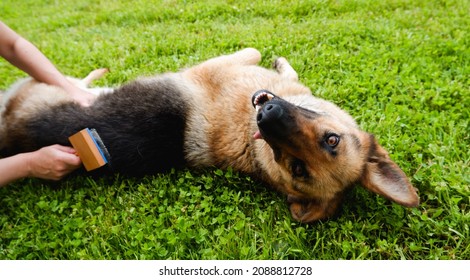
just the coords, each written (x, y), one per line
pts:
(66, 149)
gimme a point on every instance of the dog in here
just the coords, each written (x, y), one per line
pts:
(225, 112)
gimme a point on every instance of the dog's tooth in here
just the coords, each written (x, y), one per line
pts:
(258, 107)
(262, 98)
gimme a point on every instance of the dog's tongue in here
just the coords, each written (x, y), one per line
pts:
(257, 135)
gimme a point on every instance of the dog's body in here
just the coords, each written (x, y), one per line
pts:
(204, 116)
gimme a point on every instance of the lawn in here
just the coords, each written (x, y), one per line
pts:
(400, 67)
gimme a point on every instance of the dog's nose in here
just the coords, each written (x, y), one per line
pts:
(270, 113)
(273, 121)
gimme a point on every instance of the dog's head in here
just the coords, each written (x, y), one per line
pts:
(318, 151)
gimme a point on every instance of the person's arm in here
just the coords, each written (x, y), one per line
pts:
(51, 163)
(24, 55)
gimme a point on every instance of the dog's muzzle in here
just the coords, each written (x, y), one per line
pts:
(273, 115)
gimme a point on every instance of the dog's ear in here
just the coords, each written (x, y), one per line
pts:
(384, 177)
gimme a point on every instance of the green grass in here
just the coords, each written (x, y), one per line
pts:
(400, 67)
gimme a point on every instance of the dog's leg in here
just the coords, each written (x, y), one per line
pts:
(211, 73)
(248, 56)
(94, 75)
(283, 67)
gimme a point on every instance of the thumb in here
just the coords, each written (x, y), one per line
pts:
(65, 149)
(68, 155)
(71, 159)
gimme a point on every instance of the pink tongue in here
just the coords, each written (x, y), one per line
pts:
(257, 135)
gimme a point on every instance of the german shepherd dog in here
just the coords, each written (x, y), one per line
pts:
(225, 112)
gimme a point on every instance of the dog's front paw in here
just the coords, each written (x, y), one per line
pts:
(282, 66)
(310, 211)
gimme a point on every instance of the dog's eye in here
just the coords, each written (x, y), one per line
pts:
(332, 140)
(298, 169)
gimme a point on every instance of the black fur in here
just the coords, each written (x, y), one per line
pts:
(142, 126)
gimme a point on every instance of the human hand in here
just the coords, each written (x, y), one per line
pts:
(52, 162)
(82, 97)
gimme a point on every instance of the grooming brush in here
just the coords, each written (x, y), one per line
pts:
(90, 148)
